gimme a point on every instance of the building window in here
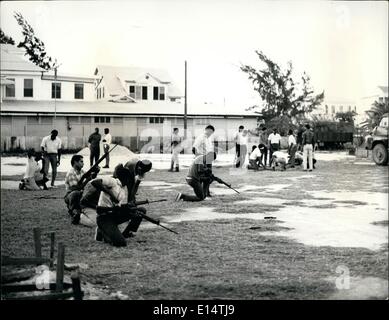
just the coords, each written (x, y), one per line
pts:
(55, 90)
(326, 109)
(386, 99)
(333, 109)
(341, 108)
(78, 91)
(159, 93)
(102, 119)
(381, 100)
(10, 88)
(138, 92)
(349, 108)
(156, 120)
(28, 88)
(103, 92)
(355, 108)
(144, 93)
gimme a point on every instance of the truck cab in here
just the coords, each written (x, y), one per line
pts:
(378, 141)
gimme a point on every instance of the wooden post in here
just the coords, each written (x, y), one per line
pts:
(52, 243)
(37, 242)
(60, 267)
(76, 286)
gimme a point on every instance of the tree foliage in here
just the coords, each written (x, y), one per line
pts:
(35, 48)
(346, 116)
(374, 115)
(5, 39)
(281, 94)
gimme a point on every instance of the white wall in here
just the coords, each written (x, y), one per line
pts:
(42, 89)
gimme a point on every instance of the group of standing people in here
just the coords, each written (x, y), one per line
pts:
(268, 151)
(94, 146)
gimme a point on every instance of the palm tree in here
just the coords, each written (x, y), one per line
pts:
(374, 115)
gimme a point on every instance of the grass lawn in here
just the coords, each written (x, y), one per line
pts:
(210, 259)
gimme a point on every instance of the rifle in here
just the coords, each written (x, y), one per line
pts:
(133, 205)
(93, 169)
(223, 182)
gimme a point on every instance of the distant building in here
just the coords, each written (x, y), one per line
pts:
(380, 94)
(135, 103)
(329, 108)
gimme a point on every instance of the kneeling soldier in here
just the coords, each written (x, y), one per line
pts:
(199, 178)
(114, 196)
(74, 180)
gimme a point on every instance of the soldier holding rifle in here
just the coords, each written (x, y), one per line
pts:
(200, 177)
(75, 179)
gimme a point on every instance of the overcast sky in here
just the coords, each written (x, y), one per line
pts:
(343, 46)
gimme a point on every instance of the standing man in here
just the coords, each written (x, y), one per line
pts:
(275, 143)
(263, 141)
(94, 146)
(175, 144)
(51, 148)
(199, 178)
(243, 149)
(204, 143)
(292, 148)
(308, 143)
(237, 138)
(107, 140)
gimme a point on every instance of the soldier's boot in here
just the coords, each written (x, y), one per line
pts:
(177, 169)
(171, 166)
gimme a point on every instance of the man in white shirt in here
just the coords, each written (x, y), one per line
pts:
(237, 138)
(204, 143)
(275, 143)
(113, 193)
(255, 158)
(242, 149)
(176, 149)
(292, 148)
(279, 158)
(51, 147)
(107, 140)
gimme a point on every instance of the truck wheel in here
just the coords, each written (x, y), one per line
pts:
(380, 154)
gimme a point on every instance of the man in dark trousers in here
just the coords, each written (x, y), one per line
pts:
(199, 178)
(94, 146)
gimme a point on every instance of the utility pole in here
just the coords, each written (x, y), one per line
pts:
(185, 104)
(55, 92)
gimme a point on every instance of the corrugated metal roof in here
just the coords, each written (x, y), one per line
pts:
(12, 59)
(119, 109)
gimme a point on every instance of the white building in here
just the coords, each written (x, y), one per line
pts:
(135, 103)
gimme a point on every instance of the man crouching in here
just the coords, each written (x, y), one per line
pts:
(199, 178)
(113, 208)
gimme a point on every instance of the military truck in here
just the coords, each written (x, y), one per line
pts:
(378, 142)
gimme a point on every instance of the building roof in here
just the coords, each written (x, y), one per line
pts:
(117, 109)
(384, 89)
(115, 77)
(13, 59)
(68, 77)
